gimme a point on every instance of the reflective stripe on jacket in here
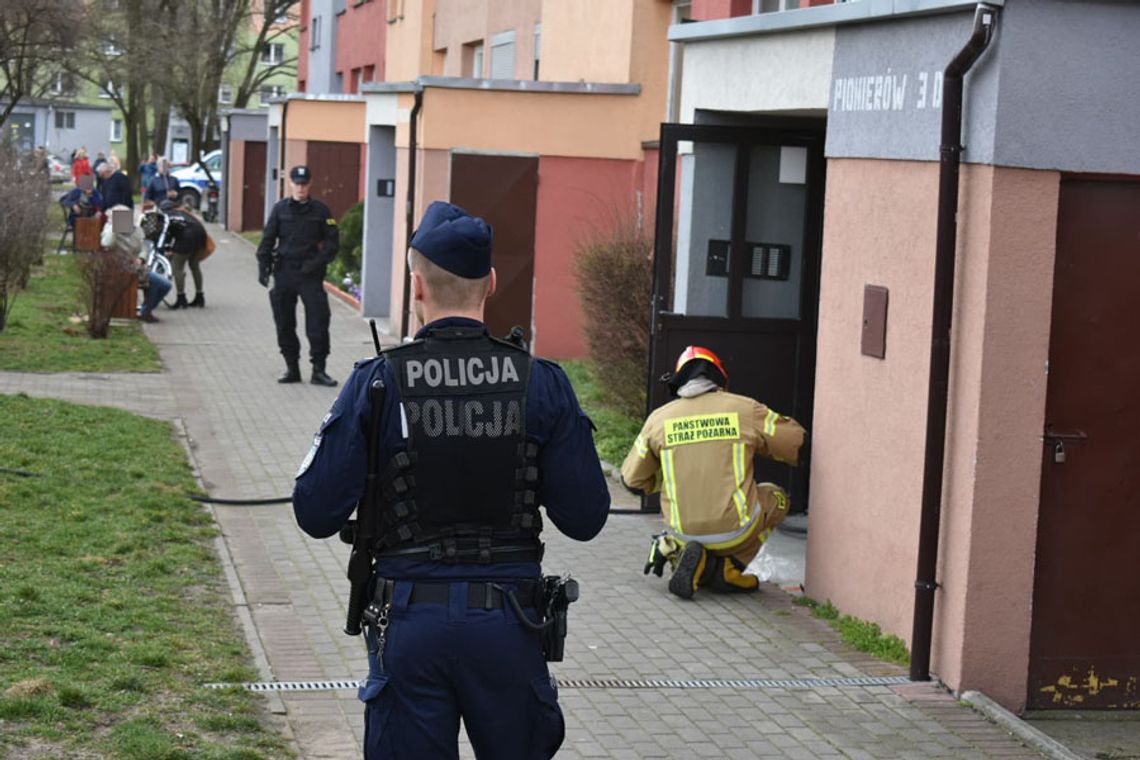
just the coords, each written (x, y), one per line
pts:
(698, 453)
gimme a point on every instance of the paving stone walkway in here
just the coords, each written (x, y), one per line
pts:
(248, 435)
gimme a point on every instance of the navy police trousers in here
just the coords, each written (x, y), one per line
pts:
(442, 662)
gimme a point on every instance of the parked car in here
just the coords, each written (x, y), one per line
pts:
(193, 179)
(59, 170)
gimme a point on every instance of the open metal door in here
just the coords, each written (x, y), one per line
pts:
(736, 266)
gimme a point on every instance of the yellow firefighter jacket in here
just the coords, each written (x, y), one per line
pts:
(698, 452)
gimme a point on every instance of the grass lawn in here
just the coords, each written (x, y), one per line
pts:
(41, 338)
(253, 236)
(113, 607)
(616, 430)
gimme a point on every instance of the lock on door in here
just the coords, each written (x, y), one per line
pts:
(1058, 441)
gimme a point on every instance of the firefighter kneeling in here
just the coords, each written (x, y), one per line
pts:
(698, 451)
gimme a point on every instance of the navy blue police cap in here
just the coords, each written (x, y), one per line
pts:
(300, 174)
(454, 240)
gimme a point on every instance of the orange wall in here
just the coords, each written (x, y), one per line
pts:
(577, 198)
(327, 120)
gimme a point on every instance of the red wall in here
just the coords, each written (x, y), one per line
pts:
(706, 10)
(576, 197)
(361, 34)
(303, 47)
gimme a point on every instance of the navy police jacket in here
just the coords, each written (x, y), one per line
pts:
(331, 480)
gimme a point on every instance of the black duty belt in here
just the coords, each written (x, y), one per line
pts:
(480, 594)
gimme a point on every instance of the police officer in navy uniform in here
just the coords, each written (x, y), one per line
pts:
(300, 240)
(473, 436)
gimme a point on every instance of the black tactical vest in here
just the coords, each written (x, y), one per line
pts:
(466, 491)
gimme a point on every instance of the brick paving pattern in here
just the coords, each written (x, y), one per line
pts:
(248, 434)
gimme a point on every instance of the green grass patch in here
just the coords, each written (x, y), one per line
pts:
(113, 608)
(858, 634)
(253, 236)
(616, 430)
(41, 336)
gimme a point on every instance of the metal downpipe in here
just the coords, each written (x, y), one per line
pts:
(410, 211)
(985, 20)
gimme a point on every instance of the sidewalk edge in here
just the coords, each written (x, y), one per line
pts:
(1032, 737)
(238, 600)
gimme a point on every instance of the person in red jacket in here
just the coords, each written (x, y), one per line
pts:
(81, 166)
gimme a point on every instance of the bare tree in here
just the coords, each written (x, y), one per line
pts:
(23, 224)
(274, 22)
(34, 37)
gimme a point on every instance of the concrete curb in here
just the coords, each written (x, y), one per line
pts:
(1030, 736)
(240, 605)
(336, 292)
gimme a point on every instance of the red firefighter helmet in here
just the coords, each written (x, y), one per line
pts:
(689, 365)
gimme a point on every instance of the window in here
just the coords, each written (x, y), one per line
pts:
(116, 130)
(315, 34)
(111, 48)
(282, 16)
(271, 91)
(226, 94)
(273, 53)
(369, 74)
(537, 48)
(503, 55)
(63, 84)
(473, 59)
(108, 90)
(65, 119)
(215, 163)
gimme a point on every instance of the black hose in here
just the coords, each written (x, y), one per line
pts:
(20, 473)
(239, 502)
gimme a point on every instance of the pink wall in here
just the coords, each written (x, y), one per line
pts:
(880, 229)
(576, 197)
(361, 35)
(236, 172)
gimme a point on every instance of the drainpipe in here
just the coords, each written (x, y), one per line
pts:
(985, 18)
(282, 170)
(410, 212)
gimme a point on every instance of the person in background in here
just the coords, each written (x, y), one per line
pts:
(300, 240)
(162, 186)
(186, 241)
(81, 167)
(116, 186)
(82, 201)
(698, 450)
(130, 245)
(147, 170)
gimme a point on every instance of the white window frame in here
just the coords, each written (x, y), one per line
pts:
(105, 92)
(116, 130)
(225, 94)
(274, 91)
(503, 44)
(273, 53)
(64, 117)
(477, 61)
(111, 48)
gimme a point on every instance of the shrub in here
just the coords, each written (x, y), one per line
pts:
(350, 259)
(23, 223)
(614, 270)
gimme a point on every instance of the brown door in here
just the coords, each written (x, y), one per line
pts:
(1085, 644)
(504, 191)
(253, 187)
(336, 174)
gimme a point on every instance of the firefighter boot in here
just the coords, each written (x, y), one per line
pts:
(292, 372)
(728, 577)
(690, 568)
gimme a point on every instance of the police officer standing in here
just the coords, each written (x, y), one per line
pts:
(470, 435)
(299, 242)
